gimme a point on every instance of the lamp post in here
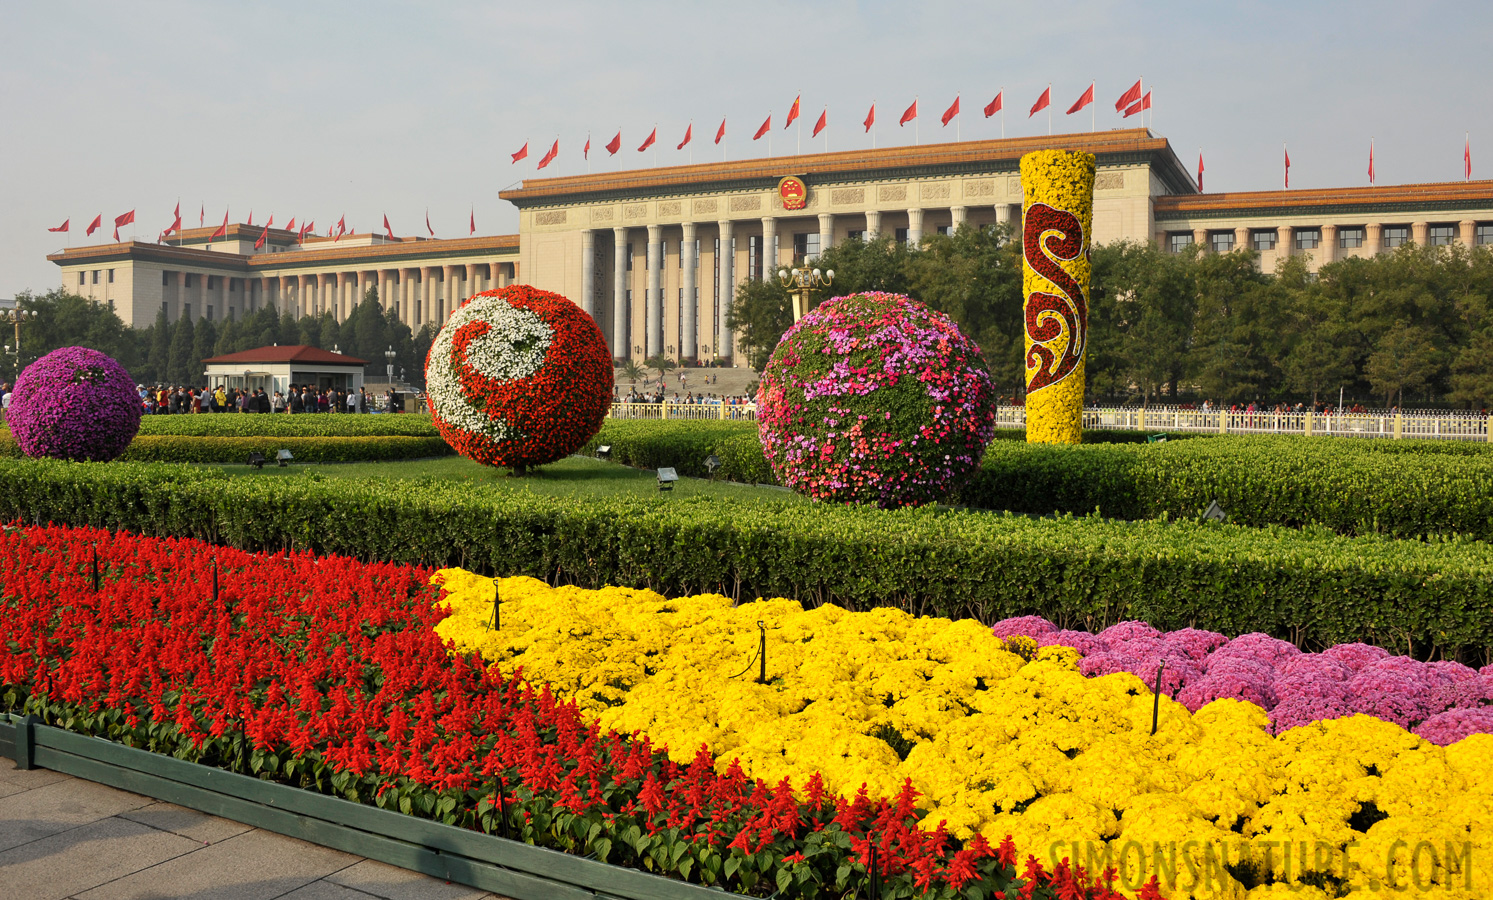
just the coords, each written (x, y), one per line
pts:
(801, 283)
(389, 355)
(15, 317)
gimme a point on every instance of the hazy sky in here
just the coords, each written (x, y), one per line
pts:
(322, 109)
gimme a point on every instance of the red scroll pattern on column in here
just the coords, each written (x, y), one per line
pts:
(1052, 236)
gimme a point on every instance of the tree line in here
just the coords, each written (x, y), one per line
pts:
(172, 352)
(1412, 326)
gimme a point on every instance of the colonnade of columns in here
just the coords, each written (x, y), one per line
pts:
(1328, 238)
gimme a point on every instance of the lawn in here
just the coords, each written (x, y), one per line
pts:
(571, 477)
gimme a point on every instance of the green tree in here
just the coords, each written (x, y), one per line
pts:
(179, 364)
(660, 364)
(1472, 372)
(1141, 318)
(631, 371)
(973, 275)
(859, 266)
(59, 318)
(204, 339)
(1404, 359)
(160, 347)
(227, 337)
(761, 312)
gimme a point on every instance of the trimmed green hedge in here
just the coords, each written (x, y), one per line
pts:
(188, 449)
(1409, 488)
(1310, 585)
(286, 425)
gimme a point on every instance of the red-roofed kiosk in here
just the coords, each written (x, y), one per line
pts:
(276, 368)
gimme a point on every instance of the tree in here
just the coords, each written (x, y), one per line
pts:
(659, 363)
(62, 319)
(1404, 359)
(227, 337)
(973, 276)
(179, 365)
(631, 371)
(1141, 318)
(203, 341)
(160, 347)
(875, 265)
(761, 312)
(369, 340)
(1472, 372)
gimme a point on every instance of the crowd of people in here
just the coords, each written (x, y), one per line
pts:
(175, 400)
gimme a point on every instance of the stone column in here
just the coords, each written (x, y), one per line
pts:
(826, 231)
(1283, 246)
(1241, 238)
(264, 291)
(384, 300)
(284, 299)
(1327, 246)
(1200, 237)
(958, 214)
(470, 284)
(914, 227)
(409, 280)
(654, 337)
(588, 273)
(428, 311)
(691, 262)
(1418, 232)
(873, 224)
(492, 275)
(365, 278)
(1373, 238)
(303, 296)
(769, 243)
(449, 291)
(181, 296)
(725, 291)
(621, 338)
(1002, 213)
(1467, 233)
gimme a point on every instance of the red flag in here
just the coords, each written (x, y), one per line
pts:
(1200, 170)
(175, 224)
(994, 106)
(586, 151)
(523, 152)
(474, 211)
(306, 229)
(1467, 159)
(427, 224)
(98, 221)
(614, 144)
(271, 222)
(793, 111)
(1288, 165)
(290, 226)
(720, 132)
(1129, 96)
(823, 121)
(909, 114)
(251, 218)
(201, 215)
(1371, 160)
(63, 226)
(1042, 102)
(652, 136)
(870, 117)
(341, 229)
(1081, 102)
(222, 229)
(260, 243)
(1137, 106)
(688, 133)
(125, 219)
(766, 126)
(549, 157)
(951, 112)
(387, 230)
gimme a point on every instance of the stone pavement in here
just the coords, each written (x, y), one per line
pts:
(61, 837)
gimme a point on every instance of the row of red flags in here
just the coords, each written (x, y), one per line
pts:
(335, 232)
(1130, 103)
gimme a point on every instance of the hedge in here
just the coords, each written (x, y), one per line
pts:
(1409, 488)
(187, 449)
(1309, 585)
(287, 425)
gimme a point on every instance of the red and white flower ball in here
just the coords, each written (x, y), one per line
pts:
(518, 377)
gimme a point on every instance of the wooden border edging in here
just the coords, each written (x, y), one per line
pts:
(478, 860)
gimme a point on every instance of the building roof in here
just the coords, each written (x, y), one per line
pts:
(1118, 147)
(295, 353)
(323, 253)
(1439, 196)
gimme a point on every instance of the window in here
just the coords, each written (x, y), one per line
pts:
(629, 257)
(186, 310)
(209, 312)
(754, 257)
(900, 235)
(81, 276)
(1178, 241)
(1396, 236)
(805, 246)
(856, 235)
(945, 229)
(188, 281)
(1485, 235)
(1441, 235)
(111, 276)
(1263, 239)
(95, 276)
(1222, 241)
(1350, 238)
(1308, 238)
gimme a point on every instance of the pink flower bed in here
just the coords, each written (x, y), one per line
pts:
(1442, 702)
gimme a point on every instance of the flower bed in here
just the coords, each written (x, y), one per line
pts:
(1442, 702)
(326, 674)
(1215, 802)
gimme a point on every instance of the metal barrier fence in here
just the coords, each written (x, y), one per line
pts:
(1454, 426)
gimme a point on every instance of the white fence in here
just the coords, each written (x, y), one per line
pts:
(1456, 426)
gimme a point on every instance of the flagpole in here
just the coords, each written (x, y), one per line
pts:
(1003, 112)
(800, 120)
(873, 124)
(916, 125)
(1049, 109)
(958, 124)
(1094, 106)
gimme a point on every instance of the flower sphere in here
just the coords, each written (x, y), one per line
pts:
(875, 398)
(518, 377)
(74, 403)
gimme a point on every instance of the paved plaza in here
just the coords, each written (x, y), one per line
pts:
(61, 837)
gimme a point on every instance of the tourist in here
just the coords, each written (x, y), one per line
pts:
(4, 403)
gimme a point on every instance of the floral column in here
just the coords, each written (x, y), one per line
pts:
(1057, 215)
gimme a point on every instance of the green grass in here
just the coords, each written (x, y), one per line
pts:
(576, 476)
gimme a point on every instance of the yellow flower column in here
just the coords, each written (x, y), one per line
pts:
(1057, 215)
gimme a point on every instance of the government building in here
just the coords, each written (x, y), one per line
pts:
(653, 255)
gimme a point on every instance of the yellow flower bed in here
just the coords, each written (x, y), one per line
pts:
(1057, 214)
(1005, 745)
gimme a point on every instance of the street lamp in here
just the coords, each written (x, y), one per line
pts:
(15, 317)
(389, 355)
(801, 282)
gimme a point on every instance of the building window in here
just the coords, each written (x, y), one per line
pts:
(629, 257)
(186, 310)
(209, 312)
(1484, 235)
(900, 235)
(1441, 235)
(1178, 241)
(111, 276)
(1308, 238)
(754, 257)
(212, 281)
(82, 276)
(1263, 239)
(1350, 238)
(165, 278)
(945, 229)
(1222, 241)
(95, 276)
(856, 235)
(1395, 236)
(805, 246)
(187, 282)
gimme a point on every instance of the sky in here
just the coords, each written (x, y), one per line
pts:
(326, 109)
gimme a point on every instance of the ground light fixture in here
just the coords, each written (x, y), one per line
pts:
(666, 478)
(284, 457)
(712, 462)
(256, 459)
(604, 451)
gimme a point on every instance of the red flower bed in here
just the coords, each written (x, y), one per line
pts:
(325, 673)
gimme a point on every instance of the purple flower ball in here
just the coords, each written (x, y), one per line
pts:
(1237, 685)
(1262, 648)
(1304, 709)
(1195, 643)
(1356, 656)
(1127, 631)
(74, 403)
